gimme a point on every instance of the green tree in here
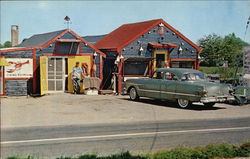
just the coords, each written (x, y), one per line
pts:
(217, 49)
(6, 44)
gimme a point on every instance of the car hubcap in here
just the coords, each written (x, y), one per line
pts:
(132, 93)
(183, 103)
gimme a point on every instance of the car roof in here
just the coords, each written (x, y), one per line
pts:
(178, 71)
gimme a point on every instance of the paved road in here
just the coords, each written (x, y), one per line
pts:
(111, 138)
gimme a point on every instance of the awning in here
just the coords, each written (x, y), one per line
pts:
(3, 61)
(162, 45)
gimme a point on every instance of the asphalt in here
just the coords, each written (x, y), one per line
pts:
(138, 137)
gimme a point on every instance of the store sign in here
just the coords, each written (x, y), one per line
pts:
(19, 68)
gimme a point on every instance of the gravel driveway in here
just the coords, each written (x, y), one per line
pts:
(69, 109)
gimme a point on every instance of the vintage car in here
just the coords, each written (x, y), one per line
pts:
(182, 85)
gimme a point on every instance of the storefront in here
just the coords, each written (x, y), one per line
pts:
(43, 63)
(138, 49)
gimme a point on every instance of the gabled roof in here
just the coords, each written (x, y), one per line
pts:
(40, 39)
(93, 38)
(126, 33)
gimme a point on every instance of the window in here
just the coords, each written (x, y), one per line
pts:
(170, 76)
(158, 75)
(135, 68)
(70, 48)
(182, 64)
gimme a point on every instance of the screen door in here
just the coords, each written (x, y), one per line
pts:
(56, 71)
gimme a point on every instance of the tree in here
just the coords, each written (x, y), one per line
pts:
(217, 49)
(6, 44)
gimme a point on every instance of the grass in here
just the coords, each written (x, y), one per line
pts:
(212, 151)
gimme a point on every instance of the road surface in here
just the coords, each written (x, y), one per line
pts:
(56, 141)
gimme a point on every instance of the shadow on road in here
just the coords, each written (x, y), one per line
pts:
(196, 107)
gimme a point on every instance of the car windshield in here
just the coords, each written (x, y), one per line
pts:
(194, 77)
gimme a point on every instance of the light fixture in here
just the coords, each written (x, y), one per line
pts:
(86, 44)
(95, 54)
(141, 49)
(180, 50)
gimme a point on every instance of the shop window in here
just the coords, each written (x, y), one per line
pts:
(182, 64)
(135, 68)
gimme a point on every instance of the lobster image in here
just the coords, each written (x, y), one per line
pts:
(16, 66)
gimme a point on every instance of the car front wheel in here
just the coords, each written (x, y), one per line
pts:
(183, 103)
(133, 94)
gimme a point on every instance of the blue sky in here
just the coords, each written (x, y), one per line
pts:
(193, 18)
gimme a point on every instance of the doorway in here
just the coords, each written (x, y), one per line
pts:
(160, 59)
(56, 74)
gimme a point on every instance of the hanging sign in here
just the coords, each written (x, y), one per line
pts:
(19, 68)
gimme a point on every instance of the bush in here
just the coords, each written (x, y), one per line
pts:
(220, 150)
(180, 152)
(243, 150)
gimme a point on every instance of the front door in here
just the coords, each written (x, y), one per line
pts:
(160, 59)
(56, 74)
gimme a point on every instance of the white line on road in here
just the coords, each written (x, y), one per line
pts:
(123, 135)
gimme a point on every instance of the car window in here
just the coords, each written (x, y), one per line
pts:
(158, 75)
(170, 76)
(194, 77)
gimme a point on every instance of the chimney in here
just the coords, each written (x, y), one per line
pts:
(14, 35)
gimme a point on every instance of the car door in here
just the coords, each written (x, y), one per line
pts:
(168, 86)
(152, 86)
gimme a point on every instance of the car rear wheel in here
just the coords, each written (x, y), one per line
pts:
(183, 103)
(209, 104)
(133, 94)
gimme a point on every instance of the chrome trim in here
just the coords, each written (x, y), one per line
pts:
(154, 91)
(216, 99)
(180, 94)
(147, 90)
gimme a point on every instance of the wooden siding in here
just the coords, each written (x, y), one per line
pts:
(18, 87)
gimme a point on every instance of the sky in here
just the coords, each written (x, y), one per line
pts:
(195, 19)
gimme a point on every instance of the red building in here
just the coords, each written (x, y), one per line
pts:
(137, 49)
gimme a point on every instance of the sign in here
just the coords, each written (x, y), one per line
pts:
(19, 68)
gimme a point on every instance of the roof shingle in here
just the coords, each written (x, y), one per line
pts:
(40, 39)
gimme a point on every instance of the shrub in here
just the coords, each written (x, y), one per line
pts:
(180, 152)
(243, 150)
(220, 150)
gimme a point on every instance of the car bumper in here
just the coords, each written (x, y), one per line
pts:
(217, 99)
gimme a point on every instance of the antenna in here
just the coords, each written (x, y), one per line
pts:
(67, 19)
